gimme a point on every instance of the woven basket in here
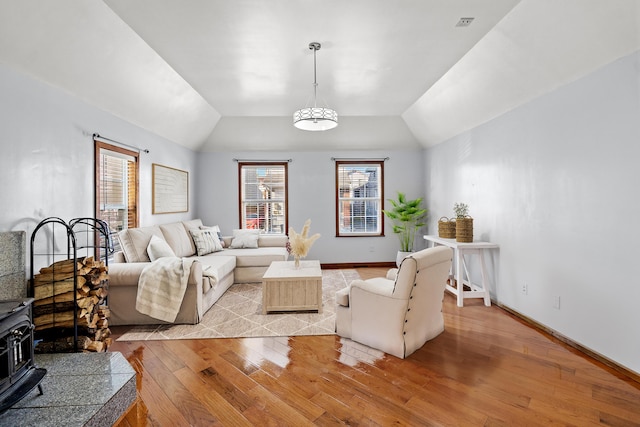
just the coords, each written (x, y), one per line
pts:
(464, 229)
(447, 228)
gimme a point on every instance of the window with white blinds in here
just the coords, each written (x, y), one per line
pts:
(359, 198)
(263, 197)
(116, 187)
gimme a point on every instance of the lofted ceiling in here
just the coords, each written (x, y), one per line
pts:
(228, 74)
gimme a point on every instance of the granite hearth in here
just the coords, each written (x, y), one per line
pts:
(80, 389)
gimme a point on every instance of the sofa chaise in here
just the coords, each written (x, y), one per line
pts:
(235, 263)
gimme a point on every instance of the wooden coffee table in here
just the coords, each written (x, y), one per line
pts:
(286, 288)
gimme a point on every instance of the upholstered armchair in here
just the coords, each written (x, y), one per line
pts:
(401, 312)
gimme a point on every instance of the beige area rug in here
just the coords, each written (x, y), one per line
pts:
(238, 313)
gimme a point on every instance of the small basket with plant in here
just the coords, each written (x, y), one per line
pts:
(464, 223)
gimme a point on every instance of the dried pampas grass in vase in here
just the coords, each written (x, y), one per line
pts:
(299, 244)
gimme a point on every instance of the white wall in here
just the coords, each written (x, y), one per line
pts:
(46, 155)
(555, 183)
(311, 195)
(46, 169)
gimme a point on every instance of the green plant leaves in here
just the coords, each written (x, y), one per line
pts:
(408, 216)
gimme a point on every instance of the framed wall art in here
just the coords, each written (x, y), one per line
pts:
(170, 189)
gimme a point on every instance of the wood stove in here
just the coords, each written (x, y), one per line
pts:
(18, 373)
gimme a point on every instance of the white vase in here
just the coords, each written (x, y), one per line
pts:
(400, 256)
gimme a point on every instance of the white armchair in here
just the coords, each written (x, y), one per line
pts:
(401, 312)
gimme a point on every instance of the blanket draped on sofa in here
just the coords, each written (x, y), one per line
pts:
(162, 286)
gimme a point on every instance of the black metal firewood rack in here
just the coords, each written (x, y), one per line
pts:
(53, 242)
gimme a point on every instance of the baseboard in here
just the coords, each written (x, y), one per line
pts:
(632, 375)
(338, 266)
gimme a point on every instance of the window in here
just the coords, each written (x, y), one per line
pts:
(359, 198)
(263, 197)
(116, 184)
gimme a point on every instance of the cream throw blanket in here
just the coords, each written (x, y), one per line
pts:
(162, 286)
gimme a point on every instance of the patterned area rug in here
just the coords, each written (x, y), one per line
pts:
(238, 313)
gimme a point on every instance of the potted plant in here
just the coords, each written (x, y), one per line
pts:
(464, 223)
(461, 209)
(407, 216)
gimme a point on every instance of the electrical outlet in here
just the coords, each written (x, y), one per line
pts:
(525, 288)
(556, 302)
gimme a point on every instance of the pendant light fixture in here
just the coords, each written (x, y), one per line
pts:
(315, 118)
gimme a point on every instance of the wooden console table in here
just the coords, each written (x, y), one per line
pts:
(461, 275)
(286, 288)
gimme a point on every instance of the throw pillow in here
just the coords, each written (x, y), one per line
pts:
(245, 239)
(206, 241)
(216, 229)
(159, 248)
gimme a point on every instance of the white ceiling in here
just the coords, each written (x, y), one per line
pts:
(228, 74)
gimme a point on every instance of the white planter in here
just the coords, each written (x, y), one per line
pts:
(400, 256)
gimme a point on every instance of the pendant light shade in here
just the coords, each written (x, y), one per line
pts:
(315, 118)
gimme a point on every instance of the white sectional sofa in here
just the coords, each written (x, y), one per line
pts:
(229, 265)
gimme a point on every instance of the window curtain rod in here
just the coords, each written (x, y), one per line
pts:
(97, 136)
(262, 161)
(361, 159)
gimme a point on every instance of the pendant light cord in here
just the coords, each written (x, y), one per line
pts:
(315, 81)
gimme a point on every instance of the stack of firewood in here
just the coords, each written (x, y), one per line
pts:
(59, 298)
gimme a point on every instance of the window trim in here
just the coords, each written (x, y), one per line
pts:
(338, 164)
(265, 164)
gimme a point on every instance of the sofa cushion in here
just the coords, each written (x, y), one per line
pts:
(260, 257)
(178, 238)
(221, 266)
(134, 242)
(272, 240)
(206, 241)
(159, 248)
(194, 223)
(245, 239)
(264, 240)
(188, 225)
(119, 257)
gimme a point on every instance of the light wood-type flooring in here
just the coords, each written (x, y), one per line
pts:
(487, 369)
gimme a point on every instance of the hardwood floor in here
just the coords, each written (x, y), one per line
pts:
(487, 369)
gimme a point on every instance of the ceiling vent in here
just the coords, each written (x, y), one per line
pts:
(464, 22)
